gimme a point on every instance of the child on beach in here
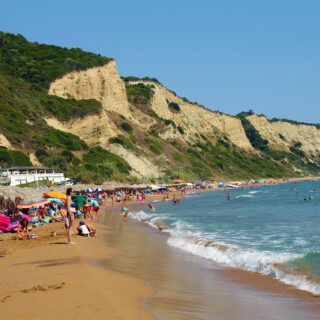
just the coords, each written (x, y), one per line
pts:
(125, 210)
(86, 229)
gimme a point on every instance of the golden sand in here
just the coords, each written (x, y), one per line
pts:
(46, 278)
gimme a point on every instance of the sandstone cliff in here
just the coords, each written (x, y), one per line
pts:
(195, 119)
(308, 135)
(104, 84)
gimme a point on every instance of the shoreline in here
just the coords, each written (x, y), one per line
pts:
(249, 279)
(180, 277)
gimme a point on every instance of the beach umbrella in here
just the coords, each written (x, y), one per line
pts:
(56, 194)
(56, 200)
(89, 190)
(79, 200)
(99, 189)
(32, 202)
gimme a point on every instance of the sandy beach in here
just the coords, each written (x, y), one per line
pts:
(46, 278)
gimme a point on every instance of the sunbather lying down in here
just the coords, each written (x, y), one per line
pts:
(86, 229)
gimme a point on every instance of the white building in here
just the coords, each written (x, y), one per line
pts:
(22, 175)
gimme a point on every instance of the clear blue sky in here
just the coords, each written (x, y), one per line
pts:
(227, 55)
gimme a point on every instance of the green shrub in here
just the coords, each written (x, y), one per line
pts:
(13, 158)
(168, 122)
(282, 137)
(67, 154)
(41, 155)
(177, 156)
(138, 93)
(126, 127)
(154, 146)
(180, 129)
(120, 139)
(105, 161)
(297, 151)
(66, 109)
(253, 134)
(174, 106)
(40, 64)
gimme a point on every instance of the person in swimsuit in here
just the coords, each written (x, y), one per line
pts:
(174, 199)
(70, 216)
(151, 207)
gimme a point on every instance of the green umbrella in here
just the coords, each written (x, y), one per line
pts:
(79, 200)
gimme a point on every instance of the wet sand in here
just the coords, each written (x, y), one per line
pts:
(190, 287)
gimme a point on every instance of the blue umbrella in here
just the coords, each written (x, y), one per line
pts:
(56, 200)
(99, 189)
(89, 190)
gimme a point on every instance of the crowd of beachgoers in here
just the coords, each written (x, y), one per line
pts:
(77, 209)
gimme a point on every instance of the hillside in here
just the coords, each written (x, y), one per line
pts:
(70, 109)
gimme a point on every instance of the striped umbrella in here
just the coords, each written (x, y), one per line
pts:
(32, 202)
(55, 194)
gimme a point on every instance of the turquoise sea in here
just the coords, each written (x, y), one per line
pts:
(266, 229)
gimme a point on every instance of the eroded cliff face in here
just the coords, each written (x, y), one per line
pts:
(100, 83)
(309, 136)
(105, 85)
(195, 119)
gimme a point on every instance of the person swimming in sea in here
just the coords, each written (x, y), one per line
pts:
(151, 207)
(174, 199)
(229, 196)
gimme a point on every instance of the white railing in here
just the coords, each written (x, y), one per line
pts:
(17, 179)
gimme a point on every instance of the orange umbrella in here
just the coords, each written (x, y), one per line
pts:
(56, 194)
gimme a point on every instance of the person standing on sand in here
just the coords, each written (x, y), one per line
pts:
(70, 216)
(63, 213)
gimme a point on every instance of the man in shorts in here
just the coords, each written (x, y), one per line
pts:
(95, 208)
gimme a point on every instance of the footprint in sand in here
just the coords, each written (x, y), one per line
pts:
(5, 298)
(44, 288)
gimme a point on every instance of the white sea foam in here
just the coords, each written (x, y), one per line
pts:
(185, 237)
(244, 196)
(253, 192)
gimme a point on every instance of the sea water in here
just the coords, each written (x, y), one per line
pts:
(268, 229)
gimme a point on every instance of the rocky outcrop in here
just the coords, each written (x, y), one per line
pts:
(282, 135)
(100, 83)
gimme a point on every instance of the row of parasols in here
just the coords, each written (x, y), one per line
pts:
(53, 197)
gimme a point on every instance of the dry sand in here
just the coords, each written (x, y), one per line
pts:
(46, 278)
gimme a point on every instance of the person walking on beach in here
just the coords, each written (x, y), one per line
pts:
(95, 208)
(70, 216)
